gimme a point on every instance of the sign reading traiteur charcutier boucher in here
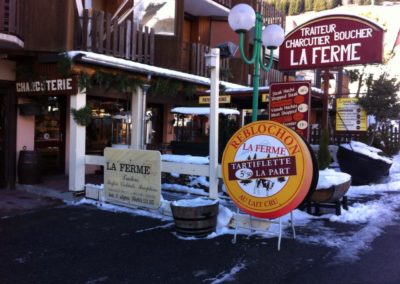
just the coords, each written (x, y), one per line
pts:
(132, 177)
(331, 41)
(267, 169)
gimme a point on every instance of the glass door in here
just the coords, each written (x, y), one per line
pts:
(50, 134)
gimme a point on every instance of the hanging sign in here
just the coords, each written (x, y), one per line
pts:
(267, 169)
(221, 99)
(350, 116)
(290, 105)
(330, 41)
(132, 177)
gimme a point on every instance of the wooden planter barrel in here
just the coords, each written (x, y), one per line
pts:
(197, 221)
(332, 197)
(29, 170)
(332, 194)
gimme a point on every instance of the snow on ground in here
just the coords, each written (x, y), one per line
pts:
(372, 208)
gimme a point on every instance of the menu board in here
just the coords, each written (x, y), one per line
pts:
(350, 116)
(289, 104)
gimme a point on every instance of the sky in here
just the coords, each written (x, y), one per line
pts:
(371, 208)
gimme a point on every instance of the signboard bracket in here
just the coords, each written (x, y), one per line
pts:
(254, 229)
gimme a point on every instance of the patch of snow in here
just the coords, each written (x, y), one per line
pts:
(227, 276)
(329, 177)
(186, 159)
(366, 150)
(203, 110)
(195, 202)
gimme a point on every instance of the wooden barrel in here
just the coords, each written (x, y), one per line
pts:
(197, 221)
(29, 167)
(332, 194)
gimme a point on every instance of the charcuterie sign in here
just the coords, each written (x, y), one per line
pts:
(267, 169)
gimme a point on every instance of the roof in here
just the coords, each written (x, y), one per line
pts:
(128, 65)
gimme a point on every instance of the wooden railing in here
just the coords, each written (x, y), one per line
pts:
(197, 61)
(226, 3)
(125, 39)
(272, 76)
(388, 137)
(10, 17)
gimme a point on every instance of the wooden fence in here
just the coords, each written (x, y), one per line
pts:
(388, 137)
(125, 39)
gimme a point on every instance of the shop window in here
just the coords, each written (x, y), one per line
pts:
(110, 125)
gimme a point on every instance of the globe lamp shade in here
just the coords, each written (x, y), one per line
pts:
(241, 18)
(273, 36)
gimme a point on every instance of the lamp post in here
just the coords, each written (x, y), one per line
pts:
(241, 19)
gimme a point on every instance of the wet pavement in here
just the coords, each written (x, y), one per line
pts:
(13, 202)
(44, 240)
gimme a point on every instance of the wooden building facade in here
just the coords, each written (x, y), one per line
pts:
(47, 45)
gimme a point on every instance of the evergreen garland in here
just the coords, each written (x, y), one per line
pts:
(82, 116)
(120, 82)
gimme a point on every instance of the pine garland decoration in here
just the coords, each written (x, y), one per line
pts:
(82, 116)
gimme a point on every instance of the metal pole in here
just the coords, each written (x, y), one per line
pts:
(145, 87)
(214, 77)
(325, 100)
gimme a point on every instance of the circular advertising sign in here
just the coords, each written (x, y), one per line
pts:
(267, 169)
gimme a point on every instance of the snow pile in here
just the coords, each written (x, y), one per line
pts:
(203, 110)
(196, 202)
(185, 159)
(329, 177)
(366, 150)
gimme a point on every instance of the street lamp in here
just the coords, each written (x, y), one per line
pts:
(241, 19)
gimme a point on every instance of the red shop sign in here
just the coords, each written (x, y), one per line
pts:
(331, 41)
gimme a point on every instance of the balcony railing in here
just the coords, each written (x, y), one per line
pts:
(194, 61)
(10, 17)
(125, 39)
(226, 3)
(272, 76)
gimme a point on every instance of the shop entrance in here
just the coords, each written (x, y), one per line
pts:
(50, 135)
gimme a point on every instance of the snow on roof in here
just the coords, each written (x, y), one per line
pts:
(202, 110)
(128, 65)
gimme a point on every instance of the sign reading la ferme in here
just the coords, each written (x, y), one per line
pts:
(267, 169)
(133, 177)
(332, 40)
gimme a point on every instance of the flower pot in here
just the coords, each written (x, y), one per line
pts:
(196, 217)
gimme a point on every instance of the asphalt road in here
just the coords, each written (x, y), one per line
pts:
(82, 244)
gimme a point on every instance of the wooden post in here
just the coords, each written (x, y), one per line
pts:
(325, 112)
(136, 109)
(214, 115)
(77, 148)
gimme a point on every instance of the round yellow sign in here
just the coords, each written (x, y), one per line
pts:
(267, 169)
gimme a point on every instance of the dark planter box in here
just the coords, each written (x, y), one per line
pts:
(363, 169)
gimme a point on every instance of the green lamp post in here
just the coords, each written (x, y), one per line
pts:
(241, 19)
